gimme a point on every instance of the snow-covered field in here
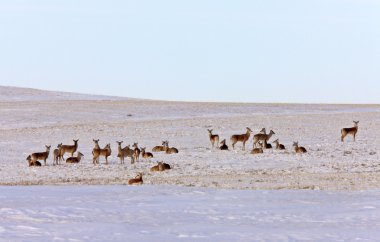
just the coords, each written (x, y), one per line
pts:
(150, 213)
(329, 194)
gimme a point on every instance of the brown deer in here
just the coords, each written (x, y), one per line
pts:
(75, 159)
(31, 162)
(278, 145)
(106, 152)
(124, 152)
(262, 137)
(171, 150)
(241, 138)
(146, 155)
(214, 138)
(69, 148)
(258, 150)
(223, 145)
(350, 131)
(138, 180)
(57, 154)
(159, 148)
(161, 166)
(41, 155)
(136, 152)
(299, 149)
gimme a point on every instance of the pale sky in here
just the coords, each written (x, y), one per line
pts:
(321, 51)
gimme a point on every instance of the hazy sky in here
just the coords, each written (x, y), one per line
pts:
(251, 51)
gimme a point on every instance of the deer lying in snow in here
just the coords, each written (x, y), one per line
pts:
(138, 180)
(124, 152)
(223, 145)
(299, 149)
(214, 138)
(75, 159)
(41, 155)
(161, 166)
(258, 150)
(31, 162)
(159, 148)
(171, 150)
(146, 155)
(241, 138)
(278, 145)
(350, 131)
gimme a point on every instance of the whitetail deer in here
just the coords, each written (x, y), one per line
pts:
(136, 152)
(69, 148)
(350, 131)
(41, 155)
(171, 150)
(214, 138)
(124, 152)
(159, 148)
(146, 155)
(266, 145)
(75, 159)
(57, 154)
(31, 162)
(262, 137)
(223, 145)
(278, 145)
(161, 166)
(241, 138)
(138, 180)
(258, 150)
(299, 149)
(106, 152)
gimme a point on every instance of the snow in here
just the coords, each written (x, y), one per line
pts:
(167, 213)
(329, 194)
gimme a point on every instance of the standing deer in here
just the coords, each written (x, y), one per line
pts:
(262, 137)
(146, 155)
(69, 149)
(57, 154)
(278, 145)
(350, 131)
(106, 152)
(241, 138)
(223, 145)
(171, 150)
(299, 149)
(159, 148)
(41, 155)
(214, 138)
(124, 152)
(75, 159)
(138, 180)
(136, 152)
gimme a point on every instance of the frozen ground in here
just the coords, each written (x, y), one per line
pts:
(32, 118)
(166, 213)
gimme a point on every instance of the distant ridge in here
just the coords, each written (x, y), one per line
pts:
(9, 93)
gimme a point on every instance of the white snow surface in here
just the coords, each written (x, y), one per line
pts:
(167, 213)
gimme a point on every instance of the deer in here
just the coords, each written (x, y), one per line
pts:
(171, 150)
(223, 145)
(124, 152)
(262, 137)
(75, 159)
(278, 145)
(136, 152)
(161, 166)
(138, 180)
(241, 138)
(106, 152)
(299, 149)
(31, 162)
(146, 155)
(266, 145)
(258, 150)
(69, 148)
(57, 154)
(214, 138)
(350, 131)
(159, 148)
(41, 155)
